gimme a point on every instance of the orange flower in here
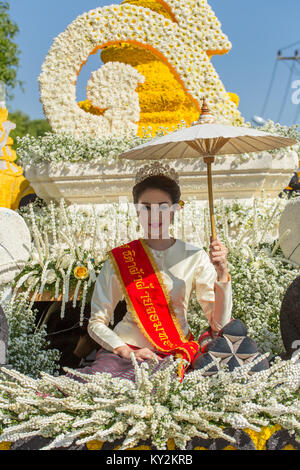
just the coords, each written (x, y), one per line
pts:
(81, 272)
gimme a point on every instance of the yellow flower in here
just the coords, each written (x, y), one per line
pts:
(5, 445)
(81, 272)
(171, 444)
(260, 438)
(162, 9)
(235, 98)
(179, 81)
(94, 445)
(89, 108)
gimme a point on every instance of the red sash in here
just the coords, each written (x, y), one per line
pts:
(149, 300)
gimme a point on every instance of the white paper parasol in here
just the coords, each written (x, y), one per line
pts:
(207, 139)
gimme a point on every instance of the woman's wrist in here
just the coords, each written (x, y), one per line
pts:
(123, 351)
(223, 275)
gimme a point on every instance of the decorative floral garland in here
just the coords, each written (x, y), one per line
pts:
(184, 45)
(64, 148)
(157, 407)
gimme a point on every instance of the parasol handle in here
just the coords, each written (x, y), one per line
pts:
(209, 160)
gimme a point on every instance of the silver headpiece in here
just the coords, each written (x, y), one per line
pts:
(156, 168)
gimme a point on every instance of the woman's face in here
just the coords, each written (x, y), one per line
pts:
(155, 211)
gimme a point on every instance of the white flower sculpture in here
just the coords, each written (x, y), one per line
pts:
(183, 43)
(113, 87)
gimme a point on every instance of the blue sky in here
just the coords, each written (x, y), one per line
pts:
(256, 28)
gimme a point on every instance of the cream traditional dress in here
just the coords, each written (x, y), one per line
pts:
(183, 268)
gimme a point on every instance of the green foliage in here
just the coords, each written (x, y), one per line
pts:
(25, 126)
(9, 52)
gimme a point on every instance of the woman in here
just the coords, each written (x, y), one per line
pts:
(156, 276)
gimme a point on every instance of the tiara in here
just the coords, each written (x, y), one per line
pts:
(156, 168)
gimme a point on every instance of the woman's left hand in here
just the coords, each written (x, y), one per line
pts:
(218, 257)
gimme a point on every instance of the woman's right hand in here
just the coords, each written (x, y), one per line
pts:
(142, 354)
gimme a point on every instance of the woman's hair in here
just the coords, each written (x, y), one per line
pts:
(157, 182)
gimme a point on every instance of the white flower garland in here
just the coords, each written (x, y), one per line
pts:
(76, 292)
(83, 303)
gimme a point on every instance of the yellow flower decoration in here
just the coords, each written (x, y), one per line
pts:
(260, 438)
(81, 272)
(94, 445)
(14, 186)
(5, 445)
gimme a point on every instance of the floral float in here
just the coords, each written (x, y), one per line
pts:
(160, 53)
(170, 44)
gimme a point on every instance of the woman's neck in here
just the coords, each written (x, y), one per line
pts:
(160, 243)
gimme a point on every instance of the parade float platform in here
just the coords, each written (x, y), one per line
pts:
(99, 183)
(270, 438)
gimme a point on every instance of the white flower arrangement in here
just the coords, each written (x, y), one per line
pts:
(57, 261)
(157, 406)
(260, 274)
(271, 127)
(183, 44)
(27, 346)
(112, 87)
(65, 148)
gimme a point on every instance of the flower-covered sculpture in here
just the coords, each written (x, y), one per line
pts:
(14, 185)
(113, 85)
(177, 40)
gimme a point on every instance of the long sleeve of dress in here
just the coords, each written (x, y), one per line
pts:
(215, 297)
(107, 293)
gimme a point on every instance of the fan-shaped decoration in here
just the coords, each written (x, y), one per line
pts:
(290, 318)
(289, 231)
(15, 244)
(232, 346)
